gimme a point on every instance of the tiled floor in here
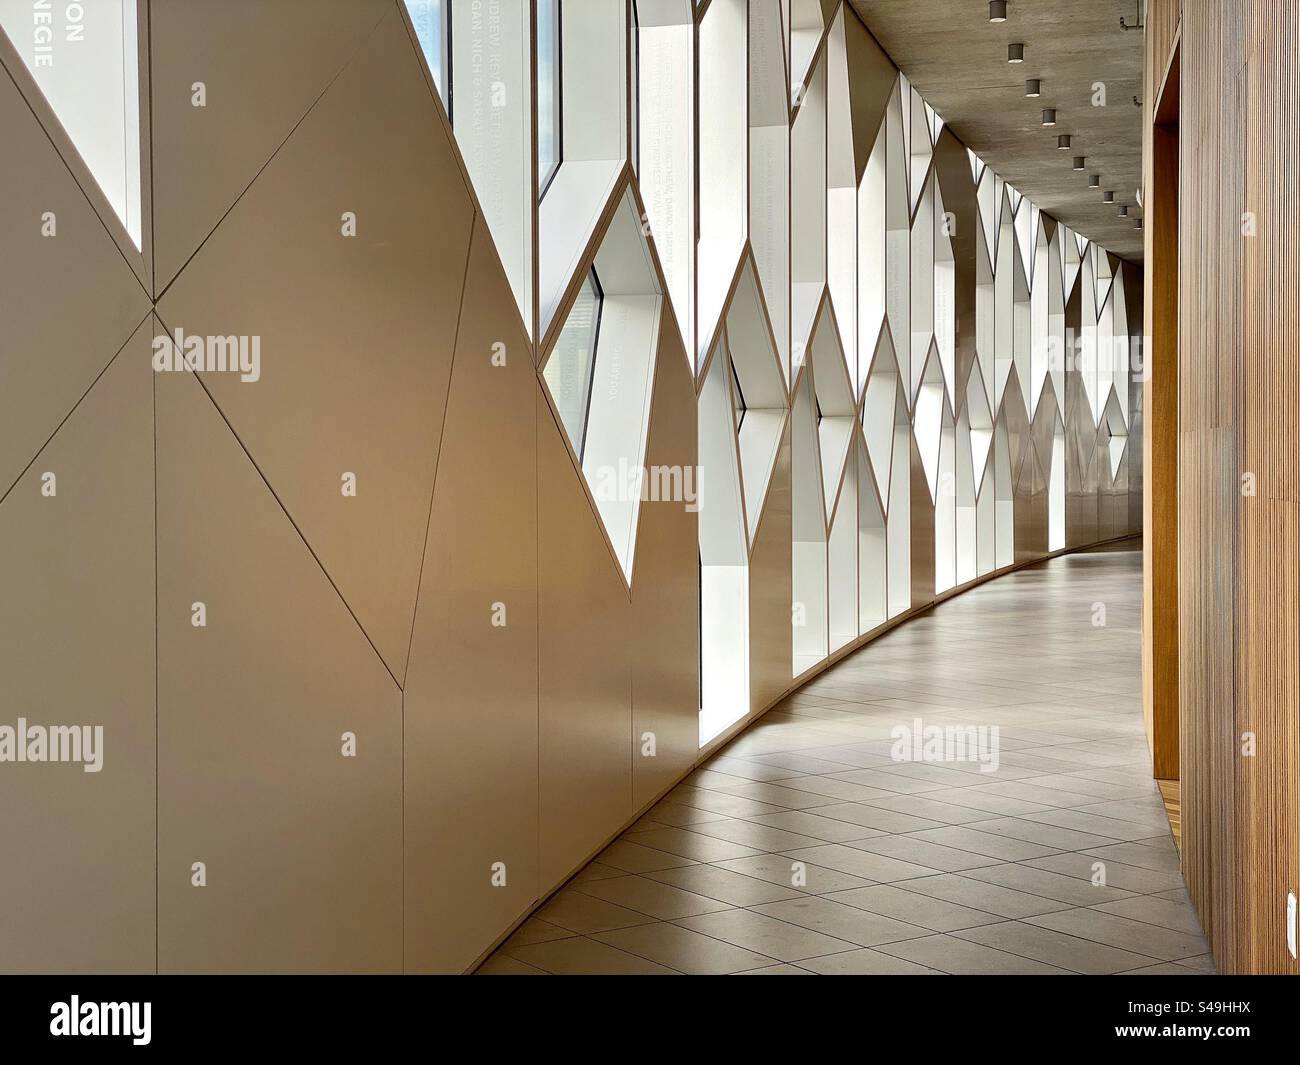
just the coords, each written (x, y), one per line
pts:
(803, 847)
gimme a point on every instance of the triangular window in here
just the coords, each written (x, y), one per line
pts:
(85, 60)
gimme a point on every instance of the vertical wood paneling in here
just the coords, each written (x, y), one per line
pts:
(1160, 416)
(1267, 690)
(1239, 402)
(1162, 26)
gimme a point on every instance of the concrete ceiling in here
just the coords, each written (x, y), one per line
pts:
(957, 60)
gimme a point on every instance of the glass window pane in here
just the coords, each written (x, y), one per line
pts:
(432, 27)
(549, 134)
(569, 370)
(89, 74)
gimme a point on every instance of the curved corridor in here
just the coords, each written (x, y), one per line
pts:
(971, 793)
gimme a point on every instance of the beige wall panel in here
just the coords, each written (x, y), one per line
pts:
(585, 675)
(872, 76)
(356, 332)
(77, 648)
(48, 356)
(263, 64)
(923, 546)
(1031, 507)
(1112, 501)
(470, 739)
(1080, 518)
(302, 845)
(665, 589)
(1081, 467)
(952, 171)
(771, 633)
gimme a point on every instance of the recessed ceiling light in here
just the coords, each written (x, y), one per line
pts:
(1107, 197)
(1049, 116)
(1033, 88)
(1079, 161)
(997, 10)
(1015, 53)
(1063, 141)
(1094, 181)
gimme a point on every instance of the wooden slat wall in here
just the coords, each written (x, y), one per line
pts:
(1160, 399)
(1162, 24)
(1239, 414)
(1268, 605)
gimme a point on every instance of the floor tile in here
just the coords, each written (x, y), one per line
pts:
(1155, 942)
(596, 870)
(1053, 797)
(835, 919)
(651, 897)
(581, 956)
(897, 901)
(1107, 827)
(846, 859)
(943, 775)
(743, 767)
(733, 888)
(1087, 866)
(960, 958)
(874, 817)
(922, 852)
(821, 829)
(721, 802)
(765, 935)
(684, 950)
(981, 895)
(833, 789)
(1056, 948)
(799, 763)
(1156, 859)
(582, 913)
(1176, 915)
(537, 930)
(501, 964)
(1051, 836)
(776, 795)
(713, 780)
(678, 816)
(758, 836)
(866, 962)
(693, 845)
(896, 783)
(807, 877)
(931, 809)
(631, 856)
(990, 844)
(980, 798)
(1050, 885)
